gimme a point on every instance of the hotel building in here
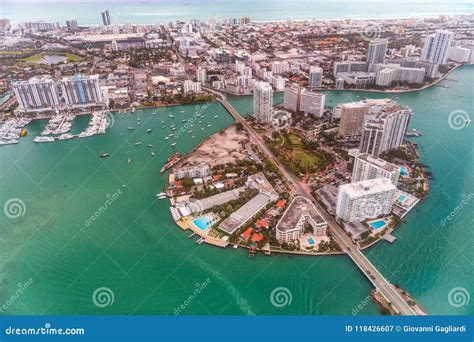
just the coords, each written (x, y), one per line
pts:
(436, 47)
(386, 127)
(81, 91)
(37, 94)
(296, 217)
(370, 167)
(366, 199)
(263, 102)
(315, 76)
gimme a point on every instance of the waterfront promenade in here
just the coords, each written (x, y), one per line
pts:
(368, 269)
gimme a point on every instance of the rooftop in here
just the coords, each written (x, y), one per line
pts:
(244, 213)
(383, 164)
(367, 187)
(298, 207)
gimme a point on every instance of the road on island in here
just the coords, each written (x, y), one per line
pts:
(371, 272)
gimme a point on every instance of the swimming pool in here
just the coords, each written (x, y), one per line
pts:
(401, 198)
(203, 222)
(310, 242)
(377, 224)
(404, 171)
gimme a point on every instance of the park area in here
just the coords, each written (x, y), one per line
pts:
(298, 156)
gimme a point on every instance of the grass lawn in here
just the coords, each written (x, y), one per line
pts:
(306, 159)
(294, 139)
(11, 52)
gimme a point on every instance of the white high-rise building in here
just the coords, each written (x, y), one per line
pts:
(312, 103)
(192, 87)
(385, 128)
(280, 67)
(291, 98)
(369, 167)
(366, 199)
(436, 47)
(37, 94)
(315, 76)
(201, 75)
(78, 91)
(376, 51)
(263, 102)
(459, 54)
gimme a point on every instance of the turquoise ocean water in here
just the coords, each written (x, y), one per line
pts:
(150, 12)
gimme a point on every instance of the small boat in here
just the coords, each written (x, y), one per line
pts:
(182, 111)
(129, 160)
(193, 137)
(170, 115)
(216, 116)
(138, 143)
(162, 121)
(209, 125)
(161, 197)
(130, 128)
(138, 123)
(23, 133)
(150, 145)
(148, 130)
(191, 125)
(173, 144)
(152, 153)
(161, 194)
(184, 120)
(104, 154)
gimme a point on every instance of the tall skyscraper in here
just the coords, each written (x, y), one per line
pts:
(366, 199)
(352, 117)
(315, 76)
(36, 94)
(201, 75)
(297, 99)
(263, 102)
(386, 128)
(436, 47)
(376, 51)
(78, 91)
(370, 167)
(291, 98)
(71, 25)
(106, 18)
